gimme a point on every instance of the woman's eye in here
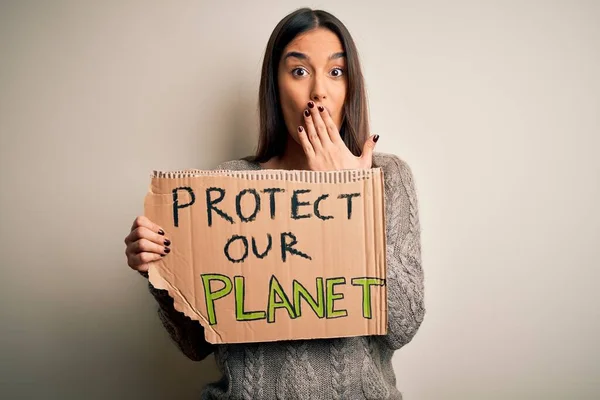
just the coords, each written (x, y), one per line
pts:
(337, 72)
(299, 72)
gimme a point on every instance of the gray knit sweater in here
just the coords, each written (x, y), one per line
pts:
(344, 368)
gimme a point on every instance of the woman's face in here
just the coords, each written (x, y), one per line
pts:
(312, 68)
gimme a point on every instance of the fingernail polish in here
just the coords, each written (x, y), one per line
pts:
(376, 138)
(306, 113)
(161, 232)
(162, 255)
(300, 129)
(311, 104)
(167, 250)
(167, 242)
(321, 108)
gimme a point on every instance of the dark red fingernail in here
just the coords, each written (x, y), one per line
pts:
(311, 104)
(167, 250)
(306, 113)
(161, 232)
(300, 129)
(321, 108)
(376, 138)
(167, 242)
(162, 255)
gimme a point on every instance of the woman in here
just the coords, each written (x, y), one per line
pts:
(313, 116)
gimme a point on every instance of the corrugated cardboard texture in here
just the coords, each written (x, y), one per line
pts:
(273, 255)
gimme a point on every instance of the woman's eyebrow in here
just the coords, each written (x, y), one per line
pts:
(302, 56)
(296, 54)
(341, 54)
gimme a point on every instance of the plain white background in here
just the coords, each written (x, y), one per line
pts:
(494, 105)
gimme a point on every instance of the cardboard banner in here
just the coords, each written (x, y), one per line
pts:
(271, 255)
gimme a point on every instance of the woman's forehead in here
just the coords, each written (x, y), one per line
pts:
(317, 45)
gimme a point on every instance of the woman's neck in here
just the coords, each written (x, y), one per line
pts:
(293, 158)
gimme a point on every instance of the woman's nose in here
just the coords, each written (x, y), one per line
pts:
(318, 91)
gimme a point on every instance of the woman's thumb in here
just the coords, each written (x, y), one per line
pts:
(367, 153)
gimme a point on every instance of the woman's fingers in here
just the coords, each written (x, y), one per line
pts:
(146, 246)
(332, 129)
(143, 221)
(140, 262)
(144, 251)
(144, 233)
(319, 124)
(305, 143)
(143, 228)
(145, 243)
(311, 131)
(367, 154)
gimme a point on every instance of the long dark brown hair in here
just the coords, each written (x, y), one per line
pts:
(273, 132)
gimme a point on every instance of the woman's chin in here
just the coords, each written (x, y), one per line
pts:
(295, 138)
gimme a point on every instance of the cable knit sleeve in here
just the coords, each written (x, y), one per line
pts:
(187, 334)
(405, 279)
